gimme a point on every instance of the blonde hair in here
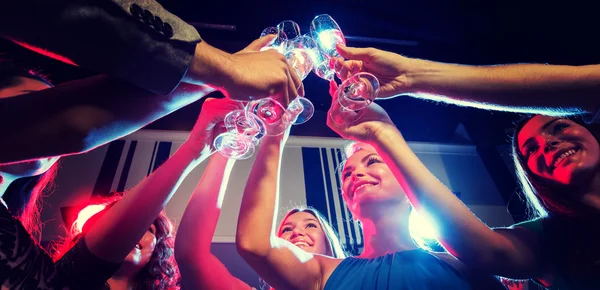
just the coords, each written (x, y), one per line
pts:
(334, 246)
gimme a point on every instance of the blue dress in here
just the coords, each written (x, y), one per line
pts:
(415, 269)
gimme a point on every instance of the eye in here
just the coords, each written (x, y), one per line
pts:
(346, 174)
(286, 229)
(559, 126)
(530, 150)
(311, 225)
(373, 160)
(152, 230)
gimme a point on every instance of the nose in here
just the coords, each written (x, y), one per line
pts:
(357, 173)
(297, 231)
(551, 144)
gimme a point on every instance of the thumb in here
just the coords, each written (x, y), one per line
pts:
(257, 44)
(333, 87)
(354, 53)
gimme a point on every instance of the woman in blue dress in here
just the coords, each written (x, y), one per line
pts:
(372, 188)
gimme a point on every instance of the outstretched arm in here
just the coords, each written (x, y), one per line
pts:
(199, 268)
(121, 227)
(81, 115)
(281, 264)
(531, 88)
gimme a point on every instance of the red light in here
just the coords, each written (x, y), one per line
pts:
(85, 214)
(45, 52)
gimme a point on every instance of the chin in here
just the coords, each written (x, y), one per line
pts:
(575, 174)
(383, 199)
(370, 204)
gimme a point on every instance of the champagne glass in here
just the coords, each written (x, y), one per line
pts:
(272, 113)
(243, 133)
(278, 43)
(322, 65)
(327, 33)
(353, 95)
(298, 54)
(356, 92)
(297, 51)
(289, 28)
(301, 109)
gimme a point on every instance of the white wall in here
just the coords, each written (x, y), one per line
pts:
(459, 167)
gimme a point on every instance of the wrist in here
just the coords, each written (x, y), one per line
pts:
(273, 141)
(210, 66)
(195, 148)
(386, 136)
(420, 74)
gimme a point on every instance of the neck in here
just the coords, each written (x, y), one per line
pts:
(386, 231)
(120, 283)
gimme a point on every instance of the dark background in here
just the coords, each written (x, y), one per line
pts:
(468, 32)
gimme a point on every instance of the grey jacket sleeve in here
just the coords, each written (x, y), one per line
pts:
(137, 41)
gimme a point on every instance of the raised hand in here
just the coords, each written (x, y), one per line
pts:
(246, 75)
(210, 121)
(257, 76)
(391, 69)
(363, 125)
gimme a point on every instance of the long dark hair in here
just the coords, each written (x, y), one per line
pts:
(542, 199)
(161, 272)
(24, 198)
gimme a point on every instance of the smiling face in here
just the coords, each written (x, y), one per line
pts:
(558, 151)
(143, 250)
(304, 230)
(367, 182)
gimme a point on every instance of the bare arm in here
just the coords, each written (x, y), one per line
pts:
(117, 231)
(81, 115)
(514, 87)
(281, 264)
(531, 88)
(199, 268)
(506, 252)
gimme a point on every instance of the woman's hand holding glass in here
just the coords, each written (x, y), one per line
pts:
(356, 91)
(366, 125)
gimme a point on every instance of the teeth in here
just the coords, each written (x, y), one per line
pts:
(563, 156)
(301, 244)
(364, 185)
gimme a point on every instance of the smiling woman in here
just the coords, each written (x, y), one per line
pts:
(307, 229)
(149, 265)
(554, 156)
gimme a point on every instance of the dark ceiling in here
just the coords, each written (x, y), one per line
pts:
(469, 32)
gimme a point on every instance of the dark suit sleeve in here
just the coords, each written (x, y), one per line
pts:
(134, 40)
